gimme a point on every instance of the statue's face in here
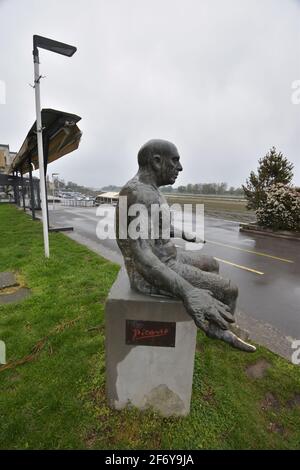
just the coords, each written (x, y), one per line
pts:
(170, 167)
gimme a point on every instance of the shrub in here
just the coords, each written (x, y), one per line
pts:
(273, 168)
(281, 208)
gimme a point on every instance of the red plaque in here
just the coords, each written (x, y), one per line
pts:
(150, 333)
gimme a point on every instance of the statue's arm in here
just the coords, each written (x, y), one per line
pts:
(178, 233)
(155, 271)
(199, 303)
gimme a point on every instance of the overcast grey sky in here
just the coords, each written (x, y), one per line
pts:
(213, 76)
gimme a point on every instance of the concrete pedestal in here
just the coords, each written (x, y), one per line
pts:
(150, 349)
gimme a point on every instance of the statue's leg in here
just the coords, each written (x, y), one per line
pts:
(222, 289)
(199, 260)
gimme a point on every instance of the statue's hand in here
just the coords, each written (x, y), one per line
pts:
(213, 317)
(192, 238)
(203, 307)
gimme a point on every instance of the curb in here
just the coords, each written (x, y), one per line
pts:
(264, 334)
(256, 229)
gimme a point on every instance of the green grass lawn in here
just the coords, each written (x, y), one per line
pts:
(54, 398)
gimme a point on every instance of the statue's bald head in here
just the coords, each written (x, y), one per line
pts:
(160, 159)
(155, 147)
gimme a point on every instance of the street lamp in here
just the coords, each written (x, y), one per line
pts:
(53, 174)
(59, 48)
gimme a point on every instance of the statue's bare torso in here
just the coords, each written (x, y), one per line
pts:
(138, 192)
(148, 195)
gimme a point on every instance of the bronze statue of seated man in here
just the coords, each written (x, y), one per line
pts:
(156, 267)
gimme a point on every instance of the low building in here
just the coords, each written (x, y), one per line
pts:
(107, 198)
(7, 191)
(6, 158)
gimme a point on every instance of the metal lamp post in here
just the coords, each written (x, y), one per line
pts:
(53, 174)
(59, 48)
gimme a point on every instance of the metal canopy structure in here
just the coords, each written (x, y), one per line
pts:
(61, 136)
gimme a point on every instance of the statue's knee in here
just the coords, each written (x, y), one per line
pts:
(208, 263)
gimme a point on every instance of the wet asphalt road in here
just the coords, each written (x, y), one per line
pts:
(266, 269)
